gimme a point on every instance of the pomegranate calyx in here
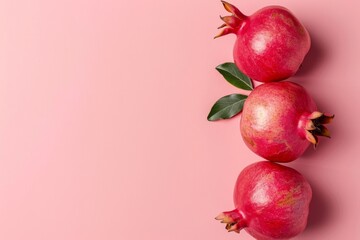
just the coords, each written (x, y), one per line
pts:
(314, 126)
(233, 22)
(234, 10)
(324, 119)
(311, 138)
(225, 31)
(233, 219)
(232, 227)
(221, 26)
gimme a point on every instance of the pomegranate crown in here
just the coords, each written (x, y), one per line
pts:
(233, 22)
(234, 220)
(315, 126)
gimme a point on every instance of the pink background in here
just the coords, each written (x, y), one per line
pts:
(103, 130)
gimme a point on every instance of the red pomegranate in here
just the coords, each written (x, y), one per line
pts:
(271, 44)
(280, 120)
(271, 202)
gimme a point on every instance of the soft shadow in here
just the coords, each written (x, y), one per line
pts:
(320, 209)
(314, 58)
(325, 146)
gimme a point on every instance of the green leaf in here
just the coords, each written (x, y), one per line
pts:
(227, 107)
(234, 76)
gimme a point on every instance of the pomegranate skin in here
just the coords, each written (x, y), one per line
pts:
(274, 119)
(271, 44)
(272, 202)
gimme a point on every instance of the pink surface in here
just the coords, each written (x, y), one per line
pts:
(103, 130)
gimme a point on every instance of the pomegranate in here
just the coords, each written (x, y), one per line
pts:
(280, 120)
(271, 200)
(271, 44)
